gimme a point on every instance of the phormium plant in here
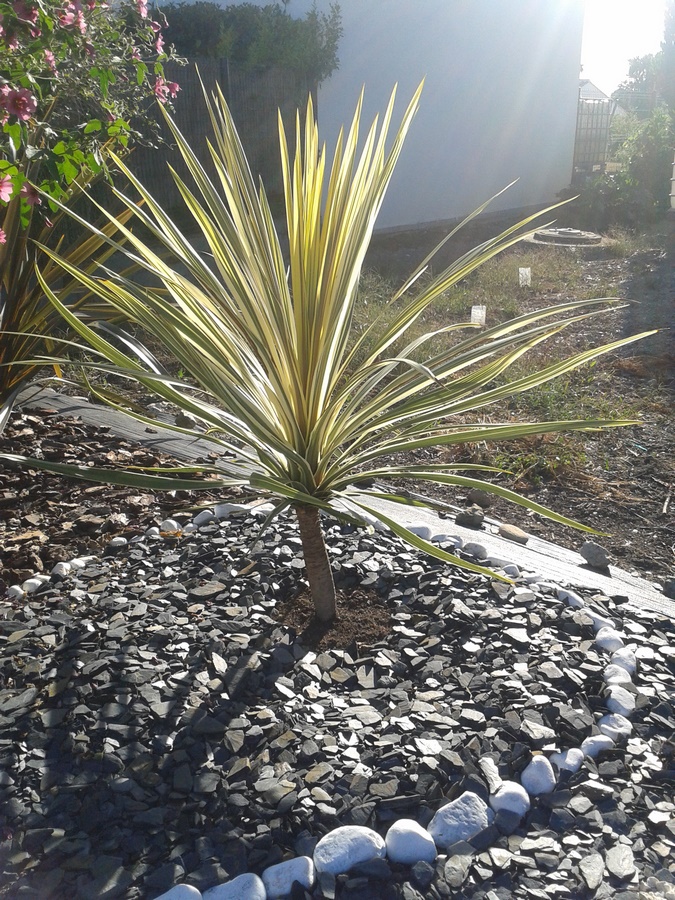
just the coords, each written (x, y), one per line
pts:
(305, 413)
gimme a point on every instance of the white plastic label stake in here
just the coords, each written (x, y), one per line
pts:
(478, 315)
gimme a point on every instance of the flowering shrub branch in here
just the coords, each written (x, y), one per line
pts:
(73, 76)
(76, 76)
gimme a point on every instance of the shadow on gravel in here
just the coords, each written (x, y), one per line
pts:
(122, 751)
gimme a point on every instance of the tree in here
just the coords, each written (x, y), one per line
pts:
(258, 37)
(651, 78)
(639, 92)
(75, 80)
(311, 414)
(667, 83)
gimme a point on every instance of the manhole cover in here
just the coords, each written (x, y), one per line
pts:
(567, 236)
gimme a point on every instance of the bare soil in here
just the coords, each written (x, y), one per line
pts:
(619, 481)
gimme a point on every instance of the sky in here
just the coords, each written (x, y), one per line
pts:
(616, 31)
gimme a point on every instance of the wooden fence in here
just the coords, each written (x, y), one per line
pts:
(254, 99)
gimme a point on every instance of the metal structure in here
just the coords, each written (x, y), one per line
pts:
(594, 118)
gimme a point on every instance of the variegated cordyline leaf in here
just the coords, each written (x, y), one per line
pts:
(309, 414)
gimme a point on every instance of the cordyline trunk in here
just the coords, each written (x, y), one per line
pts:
(319, 572)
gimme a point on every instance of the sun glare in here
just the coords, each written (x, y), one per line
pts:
(615, 31)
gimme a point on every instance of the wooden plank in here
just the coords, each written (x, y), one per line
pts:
(156, 437)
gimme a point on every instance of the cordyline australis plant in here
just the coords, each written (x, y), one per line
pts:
(309, 415)
(75, 78)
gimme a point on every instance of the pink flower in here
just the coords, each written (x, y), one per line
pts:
(6, 188)
(142, 6)
(156, 27)
(30, 194)
(21, 103)
(72, 15)
(67, 16)
(25, 12)
(136, 54)
(172, 87)
(51, 62)
(161, 90)
(159, 43)
(3, 237)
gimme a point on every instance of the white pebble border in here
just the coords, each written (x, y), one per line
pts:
(407, 842)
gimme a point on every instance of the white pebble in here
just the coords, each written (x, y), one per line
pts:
(15, 592)
(189, 528)
(609, 639)
(538, 776)
(596, 744)
(571, 760)
(594, 554)
(511, 797)
(460, 820)
(599, 621)
(30, 585)
(244, 887)
(625, 658)
(223, 510)
(152, 532)
(346, 847)
(181, 892)
(203, 518)
(279, 879)
(615, 674)
(620, 700)
(80, 562)
(407, 843)
(615, 726)
(117, 542)
(570, 598)
(61, 569)
(473, 548)
(170, 526)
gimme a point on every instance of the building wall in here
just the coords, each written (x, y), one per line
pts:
(499, 102)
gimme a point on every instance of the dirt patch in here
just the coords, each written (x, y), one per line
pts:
(363, 619)
(621, 481)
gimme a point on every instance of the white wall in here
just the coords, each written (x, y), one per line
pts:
(499, 101)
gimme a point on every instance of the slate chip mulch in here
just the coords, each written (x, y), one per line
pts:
(159, 724)
(166, 718)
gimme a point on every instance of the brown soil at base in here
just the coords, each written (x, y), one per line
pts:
(363, 619)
